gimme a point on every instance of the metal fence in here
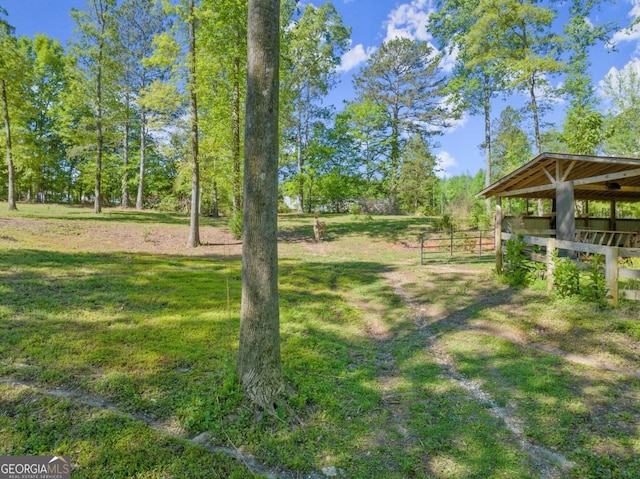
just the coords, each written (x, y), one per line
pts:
(464, 246)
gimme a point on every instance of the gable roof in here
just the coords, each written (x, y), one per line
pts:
(605, 178)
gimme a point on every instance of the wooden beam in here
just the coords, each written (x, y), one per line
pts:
(551, 178)
(608, 177)
(568, 170)
(525, 191)
(593, 187)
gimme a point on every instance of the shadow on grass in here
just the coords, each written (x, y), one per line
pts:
(583, 414)
(158, 335)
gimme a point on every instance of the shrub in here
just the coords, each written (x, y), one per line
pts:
(235, 224)
(595, 290)
(566, 277)
(516, 267)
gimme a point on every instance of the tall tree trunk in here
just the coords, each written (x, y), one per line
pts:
(487, 134)
(143, 154)
(97, 202)
(237, 191)
(395, 159)
(300, 163)
(259, 362)
(125, 163)
(536, 129)
(100, 14)
(215, 210)
(7, 131)
(194, 227)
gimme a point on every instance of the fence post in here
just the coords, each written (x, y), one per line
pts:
(498, 239)
(422, 249)
(480, 249)
(451, 243)
(611, 274)
(551, 247)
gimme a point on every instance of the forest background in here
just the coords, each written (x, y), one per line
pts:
(109, 116)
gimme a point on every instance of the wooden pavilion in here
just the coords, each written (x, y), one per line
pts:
(564, 179)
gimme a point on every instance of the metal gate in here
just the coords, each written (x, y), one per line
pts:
(465, 246)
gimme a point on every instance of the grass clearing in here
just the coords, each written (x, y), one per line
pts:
(135, 320)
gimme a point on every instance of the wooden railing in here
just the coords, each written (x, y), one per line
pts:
(611, 254)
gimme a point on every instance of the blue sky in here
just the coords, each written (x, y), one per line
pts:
(373, 22)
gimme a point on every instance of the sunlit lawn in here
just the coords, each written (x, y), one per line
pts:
(156, 336)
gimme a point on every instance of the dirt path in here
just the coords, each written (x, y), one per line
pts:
(549, 463)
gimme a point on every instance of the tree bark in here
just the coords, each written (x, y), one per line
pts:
(125, 162)
(194, 227)
(237, 176)
(7, 129)
(300, 163)
(143, 149)
(395, 161)
(487, 135)
(101, 16)
(259, 362)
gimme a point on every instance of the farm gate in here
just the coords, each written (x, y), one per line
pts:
(462, 246)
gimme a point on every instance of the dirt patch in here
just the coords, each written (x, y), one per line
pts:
(95, 236)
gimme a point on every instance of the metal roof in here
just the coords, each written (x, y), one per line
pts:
(604, 178)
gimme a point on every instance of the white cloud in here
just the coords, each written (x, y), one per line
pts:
(449, 60)
(355, 56)
(446, 161)
(409, 20)
(629, 34)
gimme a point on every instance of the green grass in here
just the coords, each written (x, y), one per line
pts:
(156, 336)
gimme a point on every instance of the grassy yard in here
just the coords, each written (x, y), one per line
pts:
(118, 345)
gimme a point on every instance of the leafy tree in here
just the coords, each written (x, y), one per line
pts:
(259, 362)
(333, 166)
(404, 77)
(583, 128)
(94, 49)
(512, 148)
(622, 88)
(475, 81)
(139, 22)
(45, 164)
(314, 45)
(222, 90)
(517, 37)
(418, 178)
(367, 124)
(9, 73)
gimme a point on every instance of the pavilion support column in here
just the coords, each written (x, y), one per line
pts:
(565, 214)
(498, 236)
(612, 217)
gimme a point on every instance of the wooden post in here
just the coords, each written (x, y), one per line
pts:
(611, 274)
(612, 216)
(565, 211)
(551, 247)
(498, 237)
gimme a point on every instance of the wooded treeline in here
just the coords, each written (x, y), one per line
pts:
(145, 106)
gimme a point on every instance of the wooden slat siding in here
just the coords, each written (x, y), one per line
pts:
(630, 273)
(631, 294)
